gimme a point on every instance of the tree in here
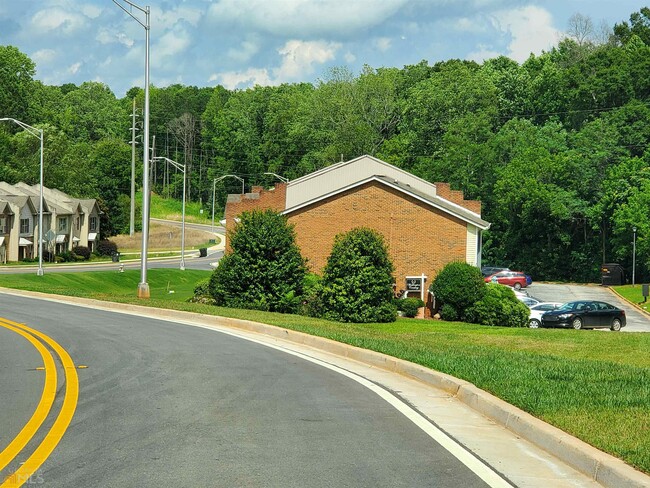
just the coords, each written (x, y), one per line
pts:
(264, 270)
(581, 29)
(16, 72)
(357, 283)
(639, 25)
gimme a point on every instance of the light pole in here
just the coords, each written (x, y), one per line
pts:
(214, 186)
(281, 178)
(143, 286)
(180, 167)
(36, 133)
(633, 254)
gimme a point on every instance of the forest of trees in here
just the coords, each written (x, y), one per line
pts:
(556, 148)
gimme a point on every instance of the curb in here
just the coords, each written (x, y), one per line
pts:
(603, 468)
(635, 305)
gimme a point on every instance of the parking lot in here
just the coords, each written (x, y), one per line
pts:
(637, 321)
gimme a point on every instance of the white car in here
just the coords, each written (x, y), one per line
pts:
(536, 312)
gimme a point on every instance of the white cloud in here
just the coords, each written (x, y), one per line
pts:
(171, 43)
(300, 57)
(383, 44)
(44, 56)
(57, 19)
(106, 36)
(245, 51)
(531, 30)
(91, 11)
(349, 57)
(483, 53)
(304, 18)
(239, 79)
(298, 60)
(74, 68)
(175, 15)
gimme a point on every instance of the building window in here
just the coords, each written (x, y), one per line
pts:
(24, 226)
(63, 224)
(78, 223)
(3, 229)
(93, 224)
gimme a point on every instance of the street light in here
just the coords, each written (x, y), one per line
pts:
(182, 168)
(214, 186)
(143, 286)
(281, 178)
(633, 254)
(36, 133)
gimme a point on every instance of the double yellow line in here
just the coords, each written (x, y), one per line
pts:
(52, 438)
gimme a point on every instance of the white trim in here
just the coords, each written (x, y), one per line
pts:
(92, 236)
(24, 242)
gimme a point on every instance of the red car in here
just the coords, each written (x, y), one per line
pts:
(516, 279)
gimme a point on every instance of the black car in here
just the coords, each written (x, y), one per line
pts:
(585, 314)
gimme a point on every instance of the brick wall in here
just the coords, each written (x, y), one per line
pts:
(258, 198)
(420, 239)
(444, 191)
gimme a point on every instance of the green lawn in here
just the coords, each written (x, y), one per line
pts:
(169, 208)
(633, 294)
(592, 384)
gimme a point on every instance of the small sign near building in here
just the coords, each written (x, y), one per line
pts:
(415, 284)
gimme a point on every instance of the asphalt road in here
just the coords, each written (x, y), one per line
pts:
(162, 404)
(637, 321)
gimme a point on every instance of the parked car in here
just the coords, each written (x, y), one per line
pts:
(528, 301)
(516, 279)
(490, 270)
(585, 314)
(537, 310)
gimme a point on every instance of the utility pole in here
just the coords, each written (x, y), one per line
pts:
(132, 215)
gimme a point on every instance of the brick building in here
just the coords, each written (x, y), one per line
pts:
(425, 225)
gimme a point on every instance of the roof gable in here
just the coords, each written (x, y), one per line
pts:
(433, 201)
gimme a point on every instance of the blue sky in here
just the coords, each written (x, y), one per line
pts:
(239, 43)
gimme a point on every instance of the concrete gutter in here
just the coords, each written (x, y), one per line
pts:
(601, 467)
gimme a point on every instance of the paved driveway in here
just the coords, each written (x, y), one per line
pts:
(637, 321)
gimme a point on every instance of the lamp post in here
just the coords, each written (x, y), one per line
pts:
(214, 186)
(281, 178)
(36, 133)
(182, 168)
(143, 286)
(633, 254)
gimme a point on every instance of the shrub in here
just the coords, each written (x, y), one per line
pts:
(499, 306)
(65, 257)
(409, 306)
(458, 285)
(448, 312)
(202, 293)
(311, 304)
(83, 252)
(357, 281)
(106, 248)
(264, 270)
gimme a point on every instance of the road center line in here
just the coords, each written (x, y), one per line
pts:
(53, 437)
(44, 405)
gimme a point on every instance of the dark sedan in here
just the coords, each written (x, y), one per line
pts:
(585, 314)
